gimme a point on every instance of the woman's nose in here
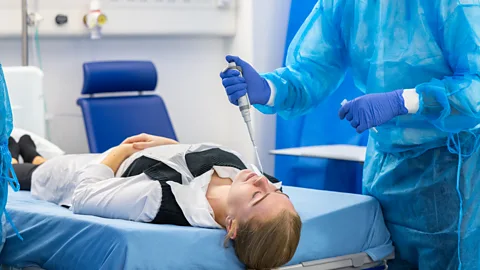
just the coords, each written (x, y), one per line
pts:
(260, 182)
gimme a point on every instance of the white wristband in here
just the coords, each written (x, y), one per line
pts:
(273, 91)
(412, 100)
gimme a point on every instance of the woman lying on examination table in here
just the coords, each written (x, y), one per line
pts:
(157, 180)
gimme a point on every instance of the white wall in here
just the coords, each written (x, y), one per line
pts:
(188, 69)
(270, 20)
(209, 116)
(260, 40)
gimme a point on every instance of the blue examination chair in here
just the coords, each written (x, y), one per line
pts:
(111, 119)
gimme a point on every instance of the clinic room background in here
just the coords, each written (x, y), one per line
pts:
(188, 56)
(303, 192)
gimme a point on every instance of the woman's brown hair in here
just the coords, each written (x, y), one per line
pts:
(267, 244)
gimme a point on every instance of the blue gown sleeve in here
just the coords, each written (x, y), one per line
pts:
(452, 103)
(315, 65)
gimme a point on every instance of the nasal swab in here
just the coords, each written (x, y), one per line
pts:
(244, 106)
(256, 170)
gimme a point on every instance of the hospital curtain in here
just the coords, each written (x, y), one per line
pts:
(320, 127)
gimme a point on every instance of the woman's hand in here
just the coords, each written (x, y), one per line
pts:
(144, 141)
(125, 150)
(118, 155)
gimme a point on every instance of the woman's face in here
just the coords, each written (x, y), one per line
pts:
(252, 195)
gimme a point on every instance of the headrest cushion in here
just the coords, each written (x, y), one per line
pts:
(118, 76)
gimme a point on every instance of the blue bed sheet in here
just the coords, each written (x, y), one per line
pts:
(334, 224)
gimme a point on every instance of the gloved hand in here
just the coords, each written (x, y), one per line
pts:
(251, 82)
(373, 110)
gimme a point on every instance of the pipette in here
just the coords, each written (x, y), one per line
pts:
(345, 102)
(244, 106)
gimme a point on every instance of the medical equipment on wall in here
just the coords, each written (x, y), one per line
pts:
(24, 33)
(244, 106)
(94, 20)
(30, 20)
(345, 102)
(125, 18)
(33, 21)
(26, 83)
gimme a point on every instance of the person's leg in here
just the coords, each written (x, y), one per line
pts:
(420, 205)
(28, 150)
(38, 160)
(24, 174)
(14, 149)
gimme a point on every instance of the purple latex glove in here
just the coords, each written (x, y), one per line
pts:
(237, 86)
(373, 110)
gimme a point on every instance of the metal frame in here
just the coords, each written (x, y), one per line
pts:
(24, 33)
(347, 262)
(4, 267)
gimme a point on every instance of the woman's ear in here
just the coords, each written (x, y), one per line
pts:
(231, 227)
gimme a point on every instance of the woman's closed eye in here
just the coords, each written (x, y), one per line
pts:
(281, 192)
(258, 194)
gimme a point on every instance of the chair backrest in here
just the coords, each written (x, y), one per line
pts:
(109, 120)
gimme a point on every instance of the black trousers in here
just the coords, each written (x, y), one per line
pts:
(24, 173)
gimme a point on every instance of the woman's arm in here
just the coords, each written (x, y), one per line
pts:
(131, 145)
(143, 141)
(99, 193)
(452, 103)
(315, 65)
(118, 155)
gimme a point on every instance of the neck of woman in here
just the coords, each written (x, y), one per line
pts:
(217, 194)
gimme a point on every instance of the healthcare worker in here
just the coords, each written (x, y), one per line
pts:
(418, 63)
(7, 175)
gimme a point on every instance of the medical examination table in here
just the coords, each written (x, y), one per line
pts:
(340, 231)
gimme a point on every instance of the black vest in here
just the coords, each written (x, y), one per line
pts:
(198, 163)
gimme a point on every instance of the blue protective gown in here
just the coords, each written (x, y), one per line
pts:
(6, 170)
(424, 168)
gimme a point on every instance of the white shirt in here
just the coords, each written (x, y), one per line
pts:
(91, 188)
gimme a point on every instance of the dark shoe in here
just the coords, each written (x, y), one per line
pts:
(14, 148)
(28, 149)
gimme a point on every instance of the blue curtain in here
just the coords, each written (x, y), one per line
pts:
(320, 127)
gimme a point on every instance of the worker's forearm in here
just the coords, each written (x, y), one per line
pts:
(114, 159)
